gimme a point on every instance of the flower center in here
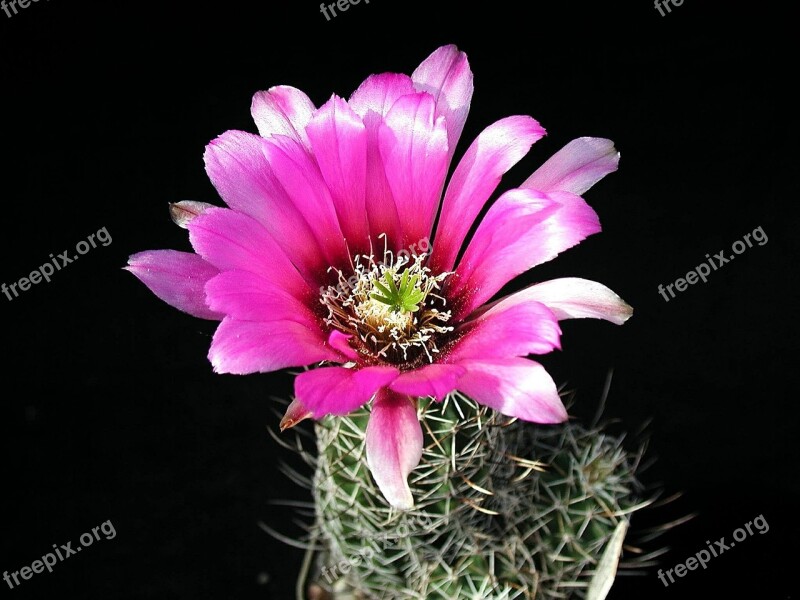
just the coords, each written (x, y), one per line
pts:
(390, 306)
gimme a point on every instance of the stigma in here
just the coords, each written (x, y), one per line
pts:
(391, 306)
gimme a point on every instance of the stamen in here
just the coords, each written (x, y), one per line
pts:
(390, 306)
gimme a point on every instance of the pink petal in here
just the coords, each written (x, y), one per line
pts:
(340, 342)
(246, 296)
(339, 142)
(394, 446)
(294, 414)
(303, 183)
(282, 110)
(446, 76)
(515, 387)
(576, 167)
(372, 101)
(523, 229)
(338, 390)
(241, 173)
(436, 380)
(506, 330)
(379, 92)
(243, 347)
(178, 278)
(414, 152)
(574, 298)
(233, 241)
(498, 148)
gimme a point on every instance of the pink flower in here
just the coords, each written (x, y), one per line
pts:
(324, 257)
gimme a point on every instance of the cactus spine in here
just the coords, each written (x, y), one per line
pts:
(504, 509)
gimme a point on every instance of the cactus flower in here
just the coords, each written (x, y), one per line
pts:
(341, 250)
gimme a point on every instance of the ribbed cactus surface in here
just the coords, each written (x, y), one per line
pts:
(504, 509)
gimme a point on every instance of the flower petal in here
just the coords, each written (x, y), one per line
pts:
(338, 390)
(295, 413)
(230, 240)
(516, 387)
(372, 101)
(246, 296)
(282, 110)
(498, 148)
(576, 167)
(339, 142)
(446, 76)
(394, 446)
(379, 92)
(178, 278)
(339, 341)
(436, 380)
(303, 183)
(507, 330)
(238, 168)
(243, 347)
(574, 298)
(524, 228)
(413, 148)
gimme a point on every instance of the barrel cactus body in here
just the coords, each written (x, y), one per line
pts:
(504, 509)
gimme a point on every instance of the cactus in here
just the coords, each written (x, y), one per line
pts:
(504, 509)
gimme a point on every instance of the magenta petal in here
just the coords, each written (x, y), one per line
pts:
(243, 347)
(498, 148)
(236, 164)
(446, 76)
(372, 101)
(516, 387)
(339, 341)
(436, 380)
(507, 330)
(524, 228)
(576, 167)
(379, 92)
(302, 181)
(394, 446)
(413, 148)
(282, 110)
(339, 142)
(574, 298)
(178, 278)
(338, 390)
(230, 240)
(246, 296)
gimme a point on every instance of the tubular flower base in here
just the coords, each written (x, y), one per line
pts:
(504, 510)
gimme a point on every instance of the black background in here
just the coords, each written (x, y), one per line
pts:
(111, 408)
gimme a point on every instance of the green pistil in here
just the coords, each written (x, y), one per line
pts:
(405, 298)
